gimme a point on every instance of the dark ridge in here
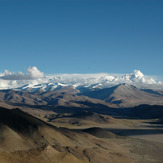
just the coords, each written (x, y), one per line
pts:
(140, 112)
(152, 91)
(82, 114)
(20, 121)
(100, 133)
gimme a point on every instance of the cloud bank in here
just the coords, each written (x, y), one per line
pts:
(34, 79)
(136, 78)
(31, 73)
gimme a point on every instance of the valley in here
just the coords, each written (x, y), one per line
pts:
(68, 126)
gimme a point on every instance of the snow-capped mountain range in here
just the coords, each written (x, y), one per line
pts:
(34, 80)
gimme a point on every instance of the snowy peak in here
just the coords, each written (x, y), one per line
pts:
(137, 74)
(34, 80)
(45, 87)
(122, 95)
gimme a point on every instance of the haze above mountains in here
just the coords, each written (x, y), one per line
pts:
(34, 80)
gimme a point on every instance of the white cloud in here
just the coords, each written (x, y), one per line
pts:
(31, 73)
(33, 78)
(34, 73)
(103, 78)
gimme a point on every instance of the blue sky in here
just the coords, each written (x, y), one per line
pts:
(82, 36)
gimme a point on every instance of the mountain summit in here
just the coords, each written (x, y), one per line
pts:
(33, 80)
(125, 95)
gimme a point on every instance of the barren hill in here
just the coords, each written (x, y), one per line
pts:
(25, 139)
(125, 95)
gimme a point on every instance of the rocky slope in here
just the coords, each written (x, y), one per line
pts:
(27, 139)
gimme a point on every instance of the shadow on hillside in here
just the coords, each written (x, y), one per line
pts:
(138, 112)
(132, 132)
(96, 108)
